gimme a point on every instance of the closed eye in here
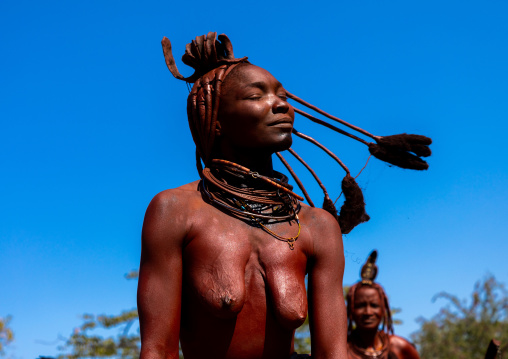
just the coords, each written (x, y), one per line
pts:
(255, 96)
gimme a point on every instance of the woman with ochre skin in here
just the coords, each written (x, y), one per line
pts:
(368, 309)
(226, 288)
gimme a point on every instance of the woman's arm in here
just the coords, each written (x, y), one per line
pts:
(160, 276)
(327, 311)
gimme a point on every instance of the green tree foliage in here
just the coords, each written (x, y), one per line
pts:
(463, 331)
(87, 341)
(6, 334)
(83, 343)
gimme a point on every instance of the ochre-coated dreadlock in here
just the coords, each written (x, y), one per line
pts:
(212, 59)
(368, 274)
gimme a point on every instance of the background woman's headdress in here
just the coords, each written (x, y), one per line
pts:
(369, 269)
(212, 59)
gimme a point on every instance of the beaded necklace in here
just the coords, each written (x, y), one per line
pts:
(381, 352)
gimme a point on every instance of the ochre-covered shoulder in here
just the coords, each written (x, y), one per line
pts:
(321, 220)
(323, 231)
(175, 196)
(403, 348)
(169, 212)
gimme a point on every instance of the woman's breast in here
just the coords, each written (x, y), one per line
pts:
(285, 283)
(214, 275)
(227, 270)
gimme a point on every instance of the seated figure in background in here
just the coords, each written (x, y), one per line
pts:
(367, 309)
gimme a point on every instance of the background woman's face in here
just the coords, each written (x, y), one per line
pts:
(368, 309)
(253, 112)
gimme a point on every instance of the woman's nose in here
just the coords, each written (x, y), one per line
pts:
(280, 105)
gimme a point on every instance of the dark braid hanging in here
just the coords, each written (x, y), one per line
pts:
(212, 59)
(395, 149)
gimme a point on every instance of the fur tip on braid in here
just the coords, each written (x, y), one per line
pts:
(417, 144)
(397, 157)
(352, 212)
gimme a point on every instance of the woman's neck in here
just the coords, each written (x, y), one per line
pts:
(257, 162)
(367, 339)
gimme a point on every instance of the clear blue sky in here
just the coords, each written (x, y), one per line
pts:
(94, 125)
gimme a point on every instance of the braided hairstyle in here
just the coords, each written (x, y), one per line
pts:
(213, 60)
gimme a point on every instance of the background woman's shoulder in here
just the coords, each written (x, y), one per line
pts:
(403, 348)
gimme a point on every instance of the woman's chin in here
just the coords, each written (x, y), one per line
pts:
(368, 326)
(284, 143)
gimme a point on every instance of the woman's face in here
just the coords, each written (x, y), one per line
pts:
(368, 310)
(253, 112)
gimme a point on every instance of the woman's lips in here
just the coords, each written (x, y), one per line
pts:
(368, 321)
(283, 122)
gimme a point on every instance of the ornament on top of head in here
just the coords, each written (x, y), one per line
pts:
(204, 54)
(369, 269)
(212, 59)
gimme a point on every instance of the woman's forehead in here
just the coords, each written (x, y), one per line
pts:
(370, 293)
(250, 75)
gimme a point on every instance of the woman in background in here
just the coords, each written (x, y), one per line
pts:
(367, 310)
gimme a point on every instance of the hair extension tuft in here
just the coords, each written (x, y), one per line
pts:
(352, 212)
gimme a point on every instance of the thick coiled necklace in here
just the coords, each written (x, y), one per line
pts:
(252, 197)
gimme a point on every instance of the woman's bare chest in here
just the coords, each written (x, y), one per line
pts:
(228, 264)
